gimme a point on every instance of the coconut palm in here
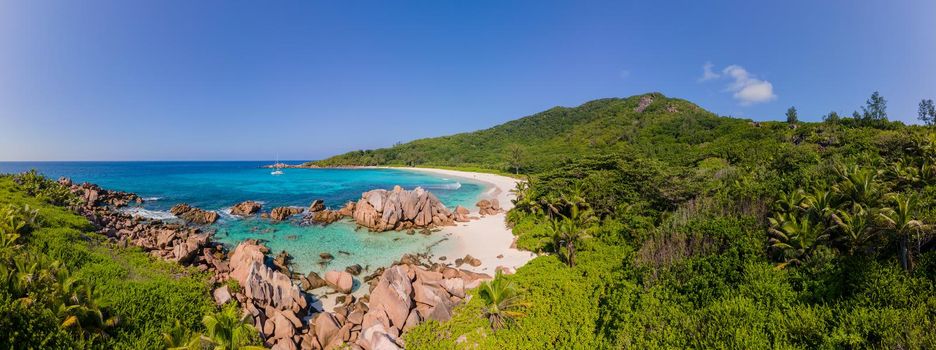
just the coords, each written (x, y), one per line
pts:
(568, 232)
(859, 186)
(230, 330)
(900, 223)
(820, 205)
(502, 303)
(181, 338)
(78, 309)
(795, 237)
(856, 227)
(791, 202)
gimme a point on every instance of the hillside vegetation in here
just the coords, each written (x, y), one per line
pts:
(63, 286)
(662, 225)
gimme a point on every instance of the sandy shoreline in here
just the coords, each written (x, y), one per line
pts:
(488, 238)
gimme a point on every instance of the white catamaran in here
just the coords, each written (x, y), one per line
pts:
(276, 168)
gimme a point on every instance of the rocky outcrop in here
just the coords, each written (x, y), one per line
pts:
(317, 205)
(194, 215)
(93, 195)
(185, 245)
(246, 208)
(644, 102)
(282, 213)
(382, 210)
(401, 297)
(489, 207)
(322, 217)
(347, 210)
(461, 214)
(276, 304)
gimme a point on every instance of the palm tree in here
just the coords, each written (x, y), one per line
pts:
(899, 222)
(856, 227)
(524, 198)
(77, 307)
(501, 301)
(181, 338)
(859, 186)
(791, 202)
(795, 237)
(820, 205)
(229, 330)
(568, 231)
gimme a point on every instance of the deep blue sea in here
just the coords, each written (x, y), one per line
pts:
(219, 185)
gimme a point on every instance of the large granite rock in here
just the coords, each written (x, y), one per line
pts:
(341, 281)
(382, 210)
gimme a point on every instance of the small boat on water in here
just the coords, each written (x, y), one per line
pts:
(277, 168)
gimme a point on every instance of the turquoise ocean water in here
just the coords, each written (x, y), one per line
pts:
(219, 185)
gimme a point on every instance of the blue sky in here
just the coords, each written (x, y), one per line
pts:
(187, 80)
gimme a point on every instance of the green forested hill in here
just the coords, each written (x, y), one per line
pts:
(535, 142)
(670, 227)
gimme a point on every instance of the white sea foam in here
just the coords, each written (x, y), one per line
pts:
(148, 214)
(451, 186)
(225, 214)
(152, 199)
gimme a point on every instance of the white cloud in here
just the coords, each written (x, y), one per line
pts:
(746, 88)
(708, 73)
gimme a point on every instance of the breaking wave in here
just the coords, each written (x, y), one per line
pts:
(148, 214)
(152, 199)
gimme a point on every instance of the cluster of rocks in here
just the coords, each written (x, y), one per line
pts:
(401, 297)
(185, 245)
(194, 215)
(277, 305)
(92, 195)
(489, 207)
(318, 214)
(399, 209)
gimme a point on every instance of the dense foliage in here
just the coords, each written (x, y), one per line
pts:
(689, 230)
(62, 286)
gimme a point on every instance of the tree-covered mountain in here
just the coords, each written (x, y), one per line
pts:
(533, 143)
(662, 225)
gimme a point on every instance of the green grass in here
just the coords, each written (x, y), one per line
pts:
(146, 294)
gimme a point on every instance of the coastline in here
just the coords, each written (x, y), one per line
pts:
(488, 238)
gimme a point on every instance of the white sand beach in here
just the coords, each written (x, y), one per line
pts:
(488, 238)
